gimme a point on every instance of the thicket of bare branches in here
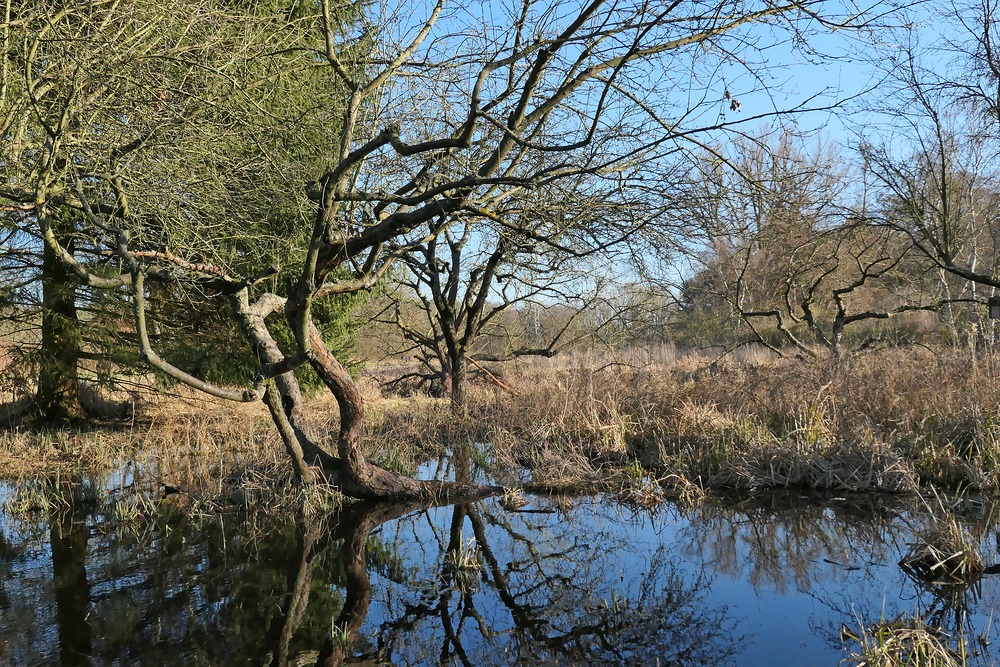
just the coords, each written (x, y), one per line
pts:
(433, 114)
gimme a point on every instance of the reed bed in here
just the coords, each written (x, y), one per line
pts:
(893, 420)
(944, 553)
(647, 425)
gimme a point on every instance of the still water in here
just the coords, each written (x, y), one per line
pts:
(769, 580)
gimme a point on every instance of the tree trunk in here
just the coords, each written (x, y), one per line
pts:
(459, 371)
(283, 396)
(444, 377)
(836, 335)
(949, 318)
(349, 471)
(356, 477)
(58, 393)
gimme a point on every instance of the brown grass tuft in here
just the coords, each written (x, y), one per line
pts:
(906, 640)
(944, 551)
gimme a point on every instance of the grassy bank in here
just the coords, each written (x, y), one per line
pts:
(894, 420)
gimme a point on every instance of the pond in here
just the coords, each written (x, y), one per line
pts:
(776, 579)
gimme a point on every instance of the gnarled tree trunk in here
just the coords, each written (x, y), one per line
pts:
(356, 476)
(348, 470)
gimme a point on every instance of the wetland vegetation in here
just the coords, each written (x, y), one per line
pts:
(407, 333)
(185, 527)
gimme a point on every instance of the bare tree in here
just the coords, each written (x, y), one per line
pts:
(935, 162)
(546, 79)
(792, 261)
(469, 280)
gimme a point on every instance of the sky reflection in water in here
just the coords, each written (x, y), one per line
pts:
(766, 581)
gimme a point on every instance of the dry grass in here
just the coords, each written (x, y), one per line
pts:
(907, 640)
(649, 425)
(893, 421)
(218, 453)
(944, 552)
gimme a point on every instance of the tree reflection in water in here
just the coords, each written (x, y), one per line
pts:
(548, 594)
(68, 542)
(779, 539)
(463, 585)
(301, 594)
(837, 549)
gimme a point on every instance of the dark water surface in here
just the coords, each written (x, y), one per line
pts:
(763, 581)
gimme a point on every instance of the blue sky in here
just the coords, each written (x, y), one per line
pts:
(834, 67)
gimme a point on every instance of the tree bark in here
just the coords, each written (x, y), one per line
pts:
(459, 370)
(283, 396)
(355, 476)
(57, 396)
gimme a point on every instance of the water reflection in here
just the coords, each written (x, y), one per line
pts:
(787, 539)
(68, 536)
(547, 593)
(766, 580)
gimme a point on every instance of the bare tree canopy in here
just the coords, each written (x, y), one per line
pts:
(418, 112)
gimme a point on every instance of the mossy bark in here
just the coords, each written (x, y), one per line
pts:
(57, 396)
